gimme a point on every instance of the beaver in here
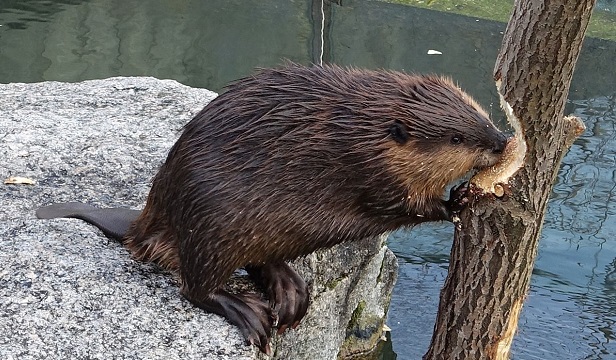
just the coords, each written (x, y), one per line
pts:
(294, 159)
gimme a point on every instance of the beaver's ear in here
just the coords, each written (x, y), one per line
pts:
(398, 132)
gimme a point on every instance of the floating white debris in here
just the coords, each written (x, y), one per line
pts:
(434, 52)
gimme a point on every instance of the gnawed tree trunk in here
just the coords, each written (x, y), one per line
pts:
(496, 240)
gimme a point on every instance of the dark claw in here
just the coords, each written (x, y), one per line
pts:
(458, 199)
(281, 329)
(258, 323)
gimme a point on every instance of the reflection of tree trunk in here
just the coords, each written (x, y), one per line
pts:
(495, 246)
(321, 25)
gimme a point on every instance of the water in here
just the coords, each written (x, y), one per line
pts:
(570, 312)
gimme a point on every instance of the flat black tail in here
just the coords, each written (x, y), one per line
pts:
(113, 222)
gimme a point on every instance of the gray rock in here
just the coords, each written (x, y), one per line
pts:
(67, 292)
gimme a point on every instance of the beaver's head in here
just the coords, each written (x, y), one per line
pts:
(437, 133)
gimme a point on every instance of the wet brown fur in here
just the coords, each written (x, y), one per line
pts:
(294, 159)
(291, 160)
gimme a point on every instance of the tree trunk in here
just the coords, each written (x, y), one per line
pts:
(496, 239)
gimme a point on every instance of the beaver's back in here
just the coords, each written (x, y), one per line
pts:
(294, 159)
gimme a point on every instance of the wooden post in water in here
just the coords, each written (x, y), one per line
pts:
(496, 240)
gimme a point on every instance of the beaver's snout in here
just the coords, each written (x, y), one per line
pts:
(499, 144)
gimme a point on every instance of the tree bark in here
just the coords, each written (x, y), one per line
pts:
(496, 238)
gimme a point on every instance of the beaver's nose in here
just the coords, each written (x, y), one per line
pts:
(499, 145)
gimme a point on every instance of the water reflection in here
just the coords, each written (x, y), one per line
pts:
(199, 43)
(589, 170)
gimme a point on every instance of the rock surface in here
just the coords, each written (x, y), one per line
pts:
(66, 291)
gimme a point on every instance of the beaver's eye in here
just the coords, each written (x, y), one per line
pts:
(398, 132)
(457, 139)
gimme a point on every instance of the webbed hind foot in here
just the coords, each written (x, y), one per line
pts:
(247, 311)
